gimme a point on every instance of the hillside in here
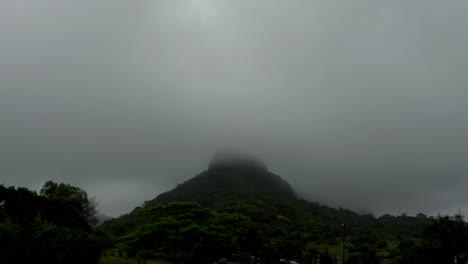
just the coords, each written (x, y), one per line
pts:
(289, 226)
(229, 180)
(246, 185)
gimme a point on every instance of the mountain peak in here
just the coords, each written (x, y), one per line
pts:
(230, 160)
(229, 176)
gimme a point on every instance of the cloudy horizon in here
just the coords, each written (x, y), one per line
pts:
(358, 104)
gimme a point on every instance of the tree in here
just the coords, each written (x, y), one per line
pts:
(185, 232)
(363, 250)
(50, 243)
(445, 239)
(75, 197)
(47, 228)
(407, 252)
(10, 235)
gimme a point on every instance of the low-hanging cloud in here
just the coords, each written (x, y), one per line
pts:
(358, 104)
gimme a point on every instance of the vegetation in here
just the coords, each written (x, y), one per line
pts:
(74, 197)
(186, 232)
(286, 227)
(52, 227)
(252, 216)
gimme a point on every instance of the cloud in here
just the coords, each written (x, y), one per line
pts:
(359, 104)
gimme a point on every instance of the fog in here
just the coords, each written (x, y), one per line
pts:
(359, 104)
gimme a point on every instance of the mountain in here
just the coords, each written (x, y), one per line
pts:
(101, 218)
(229, 179)
(290, 225)
(242, 184)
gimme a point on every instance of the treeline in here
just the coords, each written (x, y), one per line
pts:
(186, 232)
(445, 240)
(54, 226)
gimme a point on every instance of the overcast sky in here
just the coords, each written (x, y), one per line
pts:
(360, 104)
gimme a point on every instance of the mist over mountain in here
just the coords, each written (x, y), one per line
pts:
(359, 109)
(287, 225)
(344, 100)
(243, 184)
(229, 176)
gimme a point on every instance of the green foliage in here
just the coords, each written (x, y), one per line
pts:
(363, 250)
(8, 231)
(10, 237)
(225, 215)
(241, 197)
(403, 225)
(222, 182)
(45, 229)
(407, 252)
(185, 232)
(53, 244)
(288, 227)
(75, 197)
(443, 241)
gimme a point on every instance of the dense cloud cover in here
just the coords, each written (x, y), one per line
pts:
(361, 104)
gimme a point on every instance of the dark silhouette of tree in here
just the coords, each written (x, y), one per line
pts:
(46, 228)
(445, 240)
(75, 197)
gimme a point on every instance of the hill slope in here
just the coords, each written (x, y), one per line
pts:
(227, 181)
(245, 186)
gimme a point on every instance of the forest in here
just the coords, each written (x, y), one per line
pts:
(58, 225)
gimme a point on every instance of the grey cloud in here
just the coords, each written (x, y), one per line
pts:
(360, 104)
